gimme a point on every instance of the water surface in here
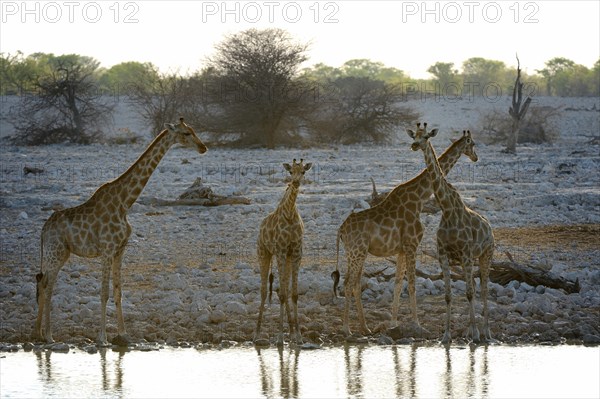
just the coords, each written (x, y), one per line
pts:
(351, 371)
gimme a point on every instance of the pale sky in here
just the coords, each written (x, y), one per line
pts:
(409, 35)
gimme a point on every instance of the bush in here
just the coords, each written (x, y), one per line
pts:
(360, 110)
(539, 126)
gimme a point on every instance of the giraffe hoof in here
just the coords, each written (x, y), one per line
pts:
(365, 331)
(446, 339)
(420, 332)
(121, 340)
(473, 335)
(262, 343)
(37, 337)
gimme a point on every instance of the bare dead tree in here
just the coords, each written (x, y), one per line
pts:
(517, 111)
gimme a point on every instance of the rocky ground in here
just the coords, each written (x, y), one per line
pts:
(190, 273)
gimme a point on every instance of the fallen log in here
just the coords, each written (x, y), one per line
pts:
(503, 272)
(198, 194)
(214, 200)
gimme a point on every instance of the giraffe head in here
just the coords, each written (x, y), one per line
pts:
(185, 135)
(469, 146)
(421, 136)
(297, 171)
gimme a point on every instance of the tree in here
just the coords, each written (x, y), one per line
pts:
(595, 73)
(321, 73)
(480, 73)
(517, 111)
(254, 81)
(67, 104)
(446, 77)
(17, 73)
(361, 109)
(160, 97)
(121, 79)
(554, 67)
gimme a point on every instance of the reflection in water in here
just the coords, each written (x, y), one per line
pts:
(118, 370)
(485, 380)
(405, 377)
(288, 373)
(348, 371)
(353, 362)
(43, 364)
(447, 376)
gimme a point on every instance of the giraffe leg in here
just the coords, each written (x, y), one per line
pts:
(400, 271)
(473, 331)
(484, 271)
(411, 263)
(348, 292)
(295, 269)
(106, 267)
(447, 338)
(359, 308)
(358, 298)
(53, 260)
(288, 310)
(41, 284)
(47, 332)
(116, 271)
(283, 288)
(351, 288)
(265, 267)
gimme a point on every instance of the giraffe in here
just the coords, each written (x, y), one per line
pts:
(462, 236)
(392, 227)
(99, 228)
(280, 235)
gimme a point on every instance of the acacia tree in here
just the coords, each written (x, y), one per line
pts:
(253, 82)
(446, 76)
(66, 106)
(17, 73)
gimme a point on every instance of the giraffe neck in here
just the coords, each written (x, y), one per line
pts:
(287, 206)
(445, 194)
(421, 185)
(132, 182)
(450, 157)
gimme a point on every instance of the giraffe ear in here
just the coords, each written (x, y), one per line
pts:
(433, 133)
(307, 166)
(170, 126)
(410, 133)
(287, 167)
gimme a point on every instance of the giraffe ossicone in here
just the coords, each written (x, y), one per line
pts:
(99, 228)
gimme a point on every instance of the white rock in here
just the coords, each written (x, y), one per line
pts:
(23, 215)
(234, 307)
(217, 316)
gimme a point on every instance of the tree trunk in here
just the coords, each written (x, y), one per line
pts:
(517, 112)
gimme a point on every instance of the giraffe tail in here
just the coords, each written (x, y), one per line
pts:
(335, 275)
(271, 278)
